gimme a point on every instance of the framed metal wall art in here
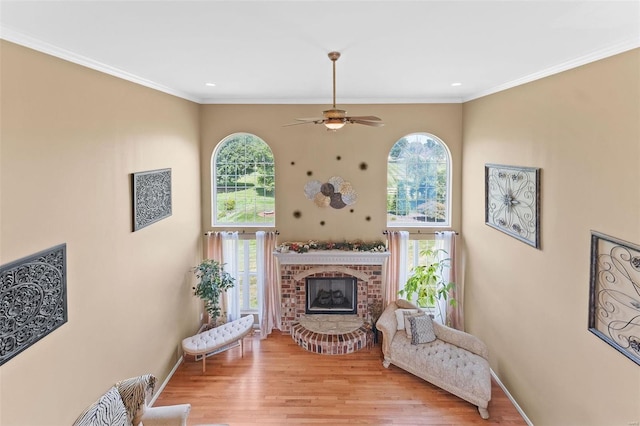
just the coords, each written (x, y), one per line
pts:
(614, 296)
(512, 201)
(33, 299)
(151, 197)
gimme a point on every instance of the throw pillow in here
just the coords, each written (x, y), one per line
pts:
(134, 393)
(400, 313)
(108, 410)
(407, 323)
(422, 330)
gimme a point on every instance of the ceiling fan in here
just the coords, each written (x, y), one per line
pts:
(335, 118)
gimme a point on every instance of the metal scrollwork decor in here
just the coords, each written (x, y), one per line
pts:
(151, 197)
(614, 296)
(33, 299)
(512, 201)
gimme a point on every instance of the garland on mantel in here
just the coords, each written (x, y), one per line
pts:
(300, 247)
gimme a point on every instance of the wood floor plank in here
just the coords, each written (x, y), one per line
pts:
(278, 382)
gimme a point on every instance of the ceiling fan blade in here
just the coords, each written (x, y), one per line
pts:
(366, 118)
(317, 120)
(310, 119)
(357, 120)
(296, 124)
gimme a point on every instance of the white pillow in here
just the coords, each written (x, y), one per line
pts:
(400, 313)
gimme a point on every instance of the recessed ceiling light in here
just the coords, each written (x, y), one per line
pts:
(210, 84)
(456, 84)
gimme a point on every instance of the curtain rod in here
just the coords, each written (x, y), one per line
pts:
(240, 232)
(418, 232)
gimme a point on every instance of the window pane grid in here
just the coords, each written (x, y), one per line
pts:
(418, 182)
(243, 182)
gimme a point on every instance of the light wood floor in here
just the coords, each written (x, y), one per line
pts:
(278, 382)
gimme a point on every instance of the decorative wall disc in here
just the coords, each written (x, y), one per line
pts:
(336, 181)
(321, 200)
(312, 188)
(345, 188)
(350, 198)
(327, 189)
(336, 201)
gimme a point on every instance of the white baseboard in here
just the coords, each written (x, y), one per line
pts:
(161, 388)
(513, 401)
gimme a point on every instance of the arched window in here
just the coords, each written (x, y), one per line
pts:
(419, 182)
(243, 184)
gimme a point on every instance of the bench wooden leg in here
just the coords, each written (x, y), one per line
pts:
(204, 362)
(242, 346)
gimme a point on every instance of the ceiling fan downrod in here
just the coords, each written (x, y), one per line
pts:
(334, 57)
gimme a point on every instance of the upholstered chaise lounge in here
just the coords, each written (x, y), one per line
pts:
(455, 361)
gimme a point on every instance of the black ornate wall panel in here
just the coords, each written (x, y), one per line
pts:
(151, 197)
(33, 299)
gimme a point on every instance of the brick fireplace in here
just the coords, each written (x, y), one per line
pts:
(295, 268)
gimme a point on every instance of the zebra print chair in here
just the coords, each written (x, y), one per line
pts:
(125, 404)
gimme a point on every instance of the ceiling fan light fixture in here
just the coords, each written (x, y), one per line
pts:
(334, 123)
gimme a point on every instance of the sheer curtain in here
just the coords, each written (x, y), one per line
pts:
(230, 258)
(213, 246)
(453, 315)
(396, 268)
(268, 283)
(213, 250)
(222, 247)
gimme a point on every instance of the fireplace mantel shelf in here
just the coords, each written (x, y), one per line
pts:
(331, 257)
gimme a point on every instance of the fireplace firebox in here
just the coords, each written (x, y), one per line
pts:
(331, 295)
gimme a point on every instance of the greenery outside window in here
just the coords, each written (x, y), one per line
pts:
(419, 182)
(243, 182)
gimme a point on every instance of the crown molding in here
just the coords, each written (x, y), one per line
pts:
(44, 47)
(621, 47)
(318, 101)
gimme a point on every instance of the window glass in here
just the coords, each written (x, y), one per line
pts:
(418, 182)
(243, 182)
(247, 279)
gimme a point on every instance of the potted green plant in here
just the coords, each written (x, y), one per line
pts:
(426, 283)
(213, 281)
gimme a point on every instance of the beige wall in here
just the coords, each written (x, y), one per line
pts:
(582, 128)
(311, 148)
(71, 137)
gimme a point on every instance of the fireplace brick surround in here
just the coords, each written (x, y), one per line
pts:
(366, 267)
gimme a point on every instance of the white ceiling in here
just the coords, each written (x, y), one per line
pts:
(276, 51)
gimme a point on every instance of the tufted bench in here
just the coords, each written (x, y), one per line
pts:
(455, 361)
(217, 338)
